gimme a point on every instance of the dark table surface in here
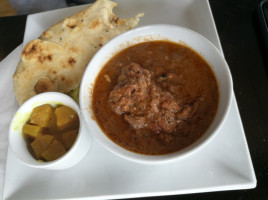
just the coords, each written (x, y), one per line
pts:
(242, 44)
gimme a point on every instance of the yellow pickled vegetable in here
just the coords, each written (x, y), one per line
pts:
(31, 130)
(54, 151)
(69, 138)
(65, 116)
(40, 144)
(41, 115)
(51, 131)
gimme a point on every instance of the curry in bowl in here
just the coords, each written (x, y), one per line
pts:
(155, 97)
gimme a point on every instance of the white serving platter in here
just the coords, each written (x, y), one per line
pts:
(224, 164)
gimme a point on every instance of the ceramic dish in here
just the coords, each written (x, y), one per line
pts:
(158, 32)
(224, 164)
(18, 145)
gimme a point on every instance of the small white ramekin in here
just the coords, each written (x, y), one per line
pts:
(18, 145)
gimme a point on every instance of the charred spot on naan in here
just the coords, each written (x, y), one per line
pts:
(43, 58)
(71, 23)
(71, 61)
(40, 50)
(116, 20)
(68, 63)
(46, 84)
(47, 34)
(95, 23)
(36, 51)
(31, 50)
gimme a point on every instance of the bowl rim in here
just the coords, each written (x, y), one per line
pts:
(156, 159)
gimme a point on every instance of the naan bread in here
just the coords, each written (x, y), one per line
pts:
(57, 60)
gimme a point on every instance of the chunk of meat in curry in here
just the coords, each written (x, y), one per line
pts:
(144, 104)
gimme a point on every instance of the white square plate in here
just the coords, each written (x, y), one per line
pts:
(224, 164)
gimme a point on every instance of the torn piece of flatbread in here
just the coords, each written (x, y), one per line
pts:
(57, 60)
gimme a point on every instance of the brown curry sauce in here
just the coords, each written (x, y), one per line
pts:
(175, 69)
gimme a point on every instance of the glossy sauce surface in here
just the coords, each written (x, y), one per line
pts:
(179, 74)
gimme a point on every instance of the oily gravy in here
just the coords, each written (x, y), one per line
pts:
(155, 97)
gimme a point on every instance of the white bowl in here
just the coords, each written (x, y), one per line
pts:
(18, 145)
(148, 33)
